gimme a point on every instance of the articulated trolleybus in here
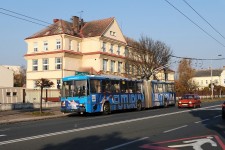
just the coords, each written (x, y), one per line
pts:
(95, 93)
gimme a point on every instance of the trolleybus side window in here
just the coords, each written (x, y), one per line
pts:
(123, 86)
(95, 86)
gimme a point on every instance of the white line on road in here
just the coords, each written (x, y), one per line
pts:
(4, 129)
(175, 129)
(2, 135)
(217, 116)
(201, 121)
(114, 147)
(94, 127)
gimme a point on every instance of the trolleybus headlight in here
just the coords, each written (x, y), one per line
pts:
(179, 102)
(190, 102)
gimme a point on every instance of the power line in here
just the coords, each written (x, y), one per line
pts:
(197, 58)
(22, 19)
(25, 16)
(204, 19)
(194, 23)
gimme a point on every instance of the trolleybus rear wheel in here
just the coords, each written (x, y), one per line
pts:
(106, 109)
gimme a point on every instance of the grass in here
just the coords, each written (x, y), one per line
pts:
(213, 100)
(37, 113)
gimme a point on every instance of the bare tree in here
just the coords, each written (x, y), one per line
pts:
(43, 83)
(145, 56)
(186, 73)
(20, 78)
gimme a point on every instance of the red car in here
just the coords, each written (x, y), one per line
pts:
(189, 100)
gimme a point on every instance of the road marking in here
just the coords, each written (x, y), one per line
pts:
(217, 116)
(2, 135)
(94, 127)
(4, 129)
(201, 121)
(114, 147)
(175, 129)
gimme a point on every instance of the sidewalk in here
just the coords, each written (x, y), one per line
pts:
(13, 116)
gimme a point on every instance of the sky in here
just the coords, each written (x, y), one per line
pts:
(188, 36)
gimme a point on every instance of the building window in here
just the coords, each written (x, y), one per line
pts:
(206, 81)
(112, 33)
(35, 83)
(104, 47)
(45, 45)
(58, 44)
(14, 93)
(126, 52)
(78, 46)
(112, 66)
(111, 48)
(8, 93)
(70, 45)
(105, 61)
(35, 46)
(201, 82)
(35, 65)
(58, 63)
(58, 83)
(118, 51)
(45, 63)
(119, 66)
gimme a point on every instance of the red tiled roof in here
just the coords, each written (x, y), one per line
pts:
(90, 29)
(96, 28)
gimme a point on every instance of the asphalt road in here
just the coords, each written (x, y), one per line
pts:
(165, 128)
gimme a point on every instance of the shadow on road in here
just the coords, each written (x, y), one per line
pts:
(98, 142)
(212, 121)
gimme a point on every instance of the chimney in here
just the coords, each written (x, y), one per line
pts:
(75, 21)
(55, 20)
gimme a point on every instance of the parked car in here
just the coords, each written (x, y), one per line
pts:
(189, 100)
(223, 110)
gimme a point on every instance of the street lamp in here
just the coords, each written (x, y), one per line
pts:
(212, 86)
(211, 81)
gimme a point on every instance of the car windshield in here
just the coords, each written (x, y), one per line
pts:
(74, 88)
(188, 97)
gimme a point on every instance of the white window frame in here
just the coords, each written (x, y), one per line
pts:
(35, 64)
(78, 46)
(112, 68)
(119, 66)
(35, 45)
(58, 44)
(45, 44)
(58, 64)
(103, 46)
(118, 51)
(111, 48)
(70, 44)
(45, 64)
(105, 62)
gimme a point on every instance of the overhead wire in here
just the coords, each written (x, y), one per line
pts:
(25, 16)
(194, 23)
(204, 19)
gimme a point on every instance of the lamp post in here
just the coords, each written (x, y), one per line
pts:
(211, 81)
(212, 86)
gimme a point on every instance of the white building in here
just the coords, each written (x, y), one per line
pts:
(203, 77)
(6, 77)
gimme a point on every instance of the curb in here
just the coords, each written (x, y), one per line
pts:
(30, 119)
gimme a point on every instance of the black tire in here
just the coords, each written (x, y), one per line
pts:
(223, 116)
(139, 105)
(194, 106)
(165, 103)
(106, 108)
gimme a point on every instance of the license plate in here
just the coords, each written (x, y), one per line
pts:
(184, 104)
